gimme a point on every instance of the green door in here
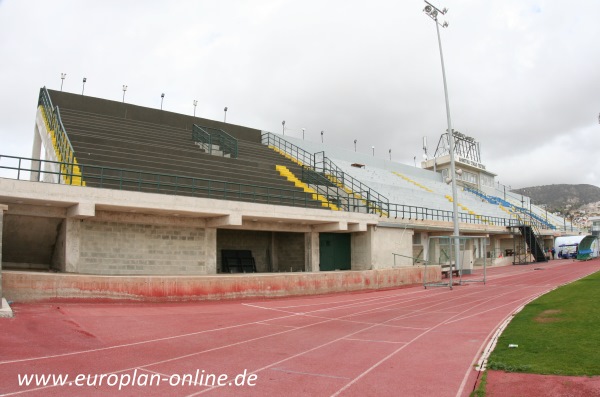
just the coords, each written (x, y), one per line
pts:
(334, 251)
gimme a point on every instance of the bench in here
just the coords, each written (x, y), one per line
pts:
(446, 271)
(237, 261)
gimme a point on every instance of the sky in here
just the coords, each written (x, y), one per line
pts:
(523, 76)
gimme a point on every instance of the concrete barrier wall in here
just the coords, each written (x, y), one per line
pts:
(114, 248)
(21, 286)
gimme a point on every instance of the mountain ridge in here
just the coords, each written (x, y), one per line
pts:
(564, 198)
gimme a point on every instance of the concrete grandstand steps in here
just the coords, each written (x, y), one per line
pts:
(411, 189)
(248, 174)
(147, 149)
(197, 165)
(182, 186)
(111, 128)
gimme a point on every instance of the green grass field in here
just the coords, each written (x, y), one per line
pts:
(558, 333)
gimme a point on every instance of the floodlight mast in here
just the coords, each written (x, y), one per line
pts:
(433, 12)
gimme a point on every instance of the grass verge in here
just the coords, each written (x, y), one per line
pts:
(480, 391)
(557, 334)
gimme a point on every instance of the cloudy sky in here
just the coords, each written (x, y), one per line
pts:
(523, 75)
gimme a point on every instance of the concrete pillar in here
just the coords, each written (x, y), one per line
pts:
(274, 256)
(72, 244)
(210, 250)
(3, 208)
(36, 152)
(67, 249)
(467, 257)
(311, 252)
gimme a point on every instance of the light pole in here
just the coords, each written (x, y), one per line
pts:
(124, 89)
(303, 129)
(433, 12)
(322, 136)
(283, 126)
(83, 88)
(373, 149)
(390, 151)
(355, 146)
(225, 118)
(162, 97)
(195, 103)
(62, 79)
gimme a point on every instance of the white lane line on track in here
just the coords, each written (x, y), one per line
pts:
(126, 345)
(370, 369)
(205, 351)
(485, 353)
(410, 342)
(376, 341)
(345, 337)
(308, 373)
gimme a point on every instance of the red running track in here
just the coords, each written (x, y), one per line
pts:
(403, 342)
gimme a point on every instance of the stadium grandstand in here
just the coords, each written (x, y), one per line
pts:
(123, 201)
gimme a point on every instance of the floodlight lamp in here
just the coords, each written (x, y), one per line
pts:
(162, 95)
(445, 24)
(225, 108)
(195, 102)
(84, 79)
(434, 13)
(445, 10)
(428, 9)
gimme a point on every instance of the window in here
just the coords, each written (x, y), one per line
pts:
(417, 239)
(487, 180)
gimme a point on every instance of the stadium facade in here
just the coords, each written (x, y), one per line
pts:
(119, 200)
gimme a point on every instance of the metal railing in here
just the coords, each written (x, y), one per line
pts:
(210, 136)
(21, 168)
(304, 157)
(62, 145)
(378, 202)
(317, 162)
(541, 222)
(414, 260)
(410, 212)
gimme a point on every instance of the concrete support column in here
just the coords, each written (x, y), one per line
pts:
(311, 252)
(67, 249)
(36, 152)
(210, 249)
(72, 244)
(468, 259)
(3, 208)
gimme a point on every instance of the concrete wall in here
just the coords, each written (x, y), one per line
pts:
(272, 251)
(137, 248)
(374, 248)
(27, 286)
(289, 252)
(260, 243)
(29, 241)
(3, 208)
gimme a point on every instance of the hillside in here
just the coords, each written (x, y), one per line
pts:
(562, 198)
